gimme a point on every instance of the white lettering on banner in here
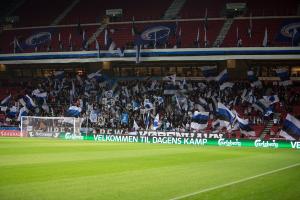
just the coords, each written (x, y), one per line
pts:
(43, 134)
(70, 136)
(115, 138)
(265, 144)
(166, 140)
(195, 141)
(229, 143)
(295, 145)
(162, 133)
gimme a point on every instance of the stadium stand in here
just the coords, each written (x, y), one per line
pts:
(258, 31)
(86, 17)
(140, 11)
(39, 13)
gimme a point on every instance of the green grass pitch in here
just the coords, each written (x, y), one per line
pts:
(33, 168)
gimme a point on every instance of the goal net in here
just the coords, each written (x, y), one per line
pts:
(32, 126)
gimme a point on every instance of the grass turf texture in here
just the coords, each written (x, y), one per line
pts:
(33, 168)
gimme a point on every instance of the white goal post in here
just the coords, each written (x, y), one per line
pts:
(33, 126)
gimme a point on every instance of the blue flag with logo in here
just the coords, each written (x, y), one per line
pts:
(288, 30)
(124, 118)
(158, 34)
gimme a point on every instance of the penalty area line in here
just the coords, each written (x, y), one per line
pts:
(234, 182)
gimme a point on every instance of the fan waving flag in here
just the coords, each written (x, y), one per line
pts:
(271, 99)
(222, 77)
(263, 106)
(209, 72)
(245, 127)
(59, 75)
(171, 78)
(283, 74)
(199, 120)
(6, 100)
(254, 82)
(97, 75)
(291, 128)
(225, 113)
(23, 112)
(74, 111)
(156, 122)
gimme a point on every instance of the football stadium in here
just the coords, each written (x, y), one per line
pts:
(132, 99)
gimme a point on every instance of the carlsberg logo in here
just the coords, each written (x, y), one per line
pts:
(265, 144)
(70, 136)
(229, 143)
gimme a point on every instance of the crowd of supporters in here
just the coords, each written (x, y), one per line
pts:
(136, 104)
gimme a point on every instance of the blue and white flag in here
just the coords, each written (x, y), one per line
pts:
(160, 100)
(97, 48)
(28, 102)
(45, 106)
(148, 105)
(138, 54)
(97, 75)
(154, 33)
(74, 111)
(108, 42)
(147, 120)
(291, 128)
(170, 89)
(225, 85)
(135, 126)
(124, 118)
(225, 113)
(84, 39)
(135, 105)
(171, 78)
(271, 99)
(59, 75)
(156, 122)
(265, 40)
(109, 94)
(209, 72)
(254, 82)
(220, 124)
(94, 116)
(295, 37)
(222, 77)
(6, 100)
(23, 112)
(248, 96)
(245, 127)
(283, 74)
(40, 95)
(263, 106)
(12, 112)
(199, 120)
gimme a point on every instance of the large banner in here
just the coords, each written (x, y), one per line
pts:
(158, 33)
(10, 132)
(180, 138)
(289, 31)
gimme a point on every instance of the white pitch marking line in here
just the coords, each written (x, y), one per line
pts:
(234, 182)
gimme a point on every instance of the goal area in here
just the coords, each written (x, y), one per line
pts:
(32, 126)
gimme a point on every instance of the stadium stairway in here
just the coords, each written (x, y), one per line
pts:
(267, 129)
(174, 9)
(14, 8)
(223, 32)
(64, 13)
(95, 35)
